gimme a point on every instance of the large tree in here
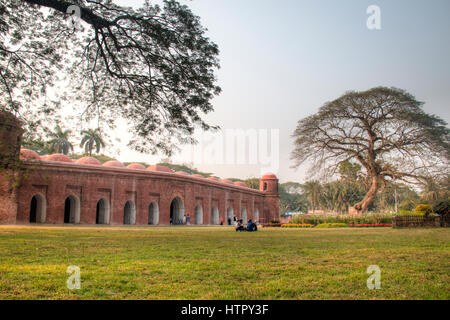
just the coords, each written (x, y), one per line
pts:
(152, 66)
(383, 129)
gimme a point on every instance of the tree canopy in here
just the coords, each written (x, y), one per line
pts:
(385, 130)
(152, 66)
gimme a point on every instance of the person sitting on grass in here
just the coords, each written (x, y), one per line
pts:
(239, 226)
(251, 227)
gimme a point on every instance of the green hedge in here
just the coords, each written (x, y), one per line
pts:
(347, 219)
(332, 225)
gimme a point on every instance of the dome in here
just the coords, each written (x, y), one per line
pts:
(59, 158)
(114, 163)
(197, 176)
(181, 173)
(213, 178)
(27, 154)
(136, 166)
(89, 161)
(160, 169)
(227, 181)
(241, 184)
(269, 176)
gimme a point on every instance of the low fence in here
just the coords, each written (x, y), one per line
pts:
(420, 221)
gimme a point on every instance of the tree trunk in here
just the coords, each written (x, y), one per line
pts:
(363, 206)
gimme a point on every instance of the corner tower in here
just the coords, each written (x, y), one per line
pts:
(10, 140)
(269, 185)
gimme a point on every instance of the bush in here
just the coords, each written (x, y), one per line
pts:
(405, 212)
(293, 225)
(332, 225)
(425, 209)
(345, 219)
(274, 221)
(407, 205)
(442, 207)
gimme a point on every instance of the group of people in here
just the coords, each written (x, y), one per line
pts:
(239, 224)
(250, 227)
(185, 220)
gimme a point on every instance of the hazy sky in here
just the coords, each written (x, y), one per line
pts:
(282, 60)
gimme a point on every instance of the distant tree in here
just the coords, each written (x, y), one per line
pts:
(384, 129)
(252, 183)
(36, 143)
(292, 187)
(312, 190)
(59, 140)
(91, 139)
(152, 66)
(291, 201)
(350, 171)
(181, 167)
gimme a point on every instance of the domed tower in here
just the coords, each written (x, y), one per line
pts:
(269, 185)
(10, 140)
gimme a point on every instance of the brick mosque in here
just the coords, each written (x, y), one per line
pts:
(55, 190)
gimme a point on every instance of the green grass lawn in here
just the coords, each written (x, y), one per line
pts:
(218, 263)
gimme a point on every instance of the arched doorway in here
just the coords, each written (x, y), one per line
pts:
(153, 214)
(198, 215)
(244, 215)
(256, 216)
(72, 210)
(129, 213)
(176, 211)
(102, 216)
(230, 215)
(215, 216)
(38, 208)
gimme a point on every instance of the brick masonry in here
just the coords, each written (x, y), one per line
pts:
(52, 182)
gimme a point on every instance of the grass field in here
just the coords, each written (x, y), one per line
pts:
(218, 263)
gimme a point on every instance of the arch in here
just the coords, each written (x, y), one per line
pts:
(215, 216)
(153, 214)
(176, 211)
(256, 216)
(72, 209)
(244, 215)
(230, 215)
(198, 219)
(129, 213)
(38, 209)
(103, 209)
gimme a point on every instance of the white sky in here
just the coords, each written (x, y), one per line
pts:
(282, 60)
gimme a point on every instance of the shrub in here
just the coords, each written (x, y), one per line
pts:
(332, 225)
(294, 225)
(442, 206)
(274, 221)
(424, 208)
(408, 205)
(411, 213)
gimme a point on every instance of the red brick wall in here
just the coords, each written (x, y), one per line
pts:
(56, 181)
(8, 198)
